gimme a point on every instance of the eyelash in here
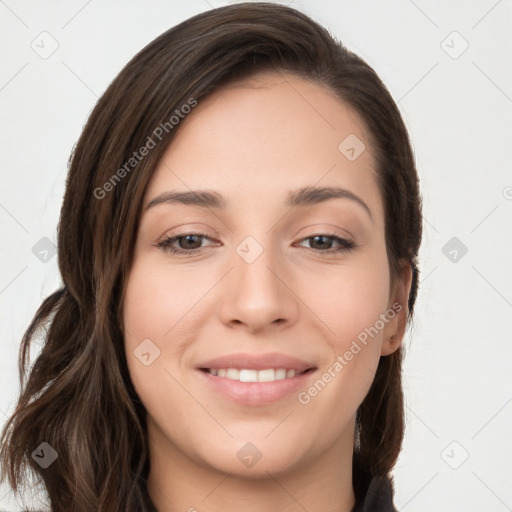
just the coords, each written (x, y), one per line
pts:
(345, 245)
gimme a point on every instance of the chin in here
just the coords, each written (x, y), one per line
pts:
(248, 461)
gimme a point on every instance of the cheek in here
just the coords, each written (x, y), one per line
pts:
(352, 307)
(152, 310)
(166, 305)
(156, 300)
(349, 299)
(351, 302)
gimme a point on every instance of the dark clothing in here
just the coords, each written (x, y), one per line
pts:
(378, 497)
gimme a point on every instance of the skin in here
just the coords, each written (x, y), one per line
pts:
(253, 142)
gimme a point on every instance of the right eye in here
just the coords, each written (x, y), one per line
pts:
(184, 240)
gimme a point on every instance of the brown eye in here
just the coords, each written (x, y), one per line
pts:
(188, 243)
(324, 242)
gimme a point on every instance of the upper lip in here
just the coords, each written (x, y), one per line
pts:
(256, 362)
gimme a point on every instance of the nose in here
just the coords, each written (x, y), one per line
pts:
(258, 295)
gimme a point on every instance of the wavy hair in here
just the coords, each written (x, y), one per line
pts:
(77, 395)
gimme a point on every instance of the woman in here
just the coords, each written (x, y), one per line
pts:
(238, 245)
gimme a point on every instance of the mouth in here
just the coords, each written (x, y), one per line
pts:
(255, 380)
(249, 375)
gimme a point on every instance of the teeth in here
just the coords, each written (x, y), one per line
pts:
(281, 374)
(267, 375)
(233, 373)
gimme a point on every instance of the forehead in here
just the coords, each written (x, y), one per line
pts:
(264, 136)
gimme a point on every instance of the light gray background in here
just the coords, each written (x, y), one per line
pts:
(457, 105)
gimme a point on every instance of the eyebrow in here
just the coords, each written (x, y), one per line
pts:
(305, 196)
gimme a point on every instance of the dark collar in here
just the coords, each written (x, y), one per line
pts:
(378, 496)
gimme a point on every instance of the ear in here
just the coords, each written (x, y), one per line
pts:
(397, 311)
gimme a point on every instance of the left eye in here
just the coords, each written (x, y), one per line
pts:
(344, 244)
(191, 243)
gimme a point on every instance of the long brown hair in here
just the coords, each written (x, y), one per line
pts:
(77, 396)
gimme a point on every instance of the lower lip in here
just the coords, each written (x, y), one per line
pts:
(256, 393)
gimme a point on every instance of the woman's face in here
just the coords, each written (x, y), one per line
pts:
(271, 279)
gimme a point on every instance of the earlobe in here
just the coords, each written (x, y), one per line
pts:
(391, 344)
(399, 299)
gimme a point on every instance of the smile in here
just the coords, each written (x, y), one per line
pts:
(248, 375)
